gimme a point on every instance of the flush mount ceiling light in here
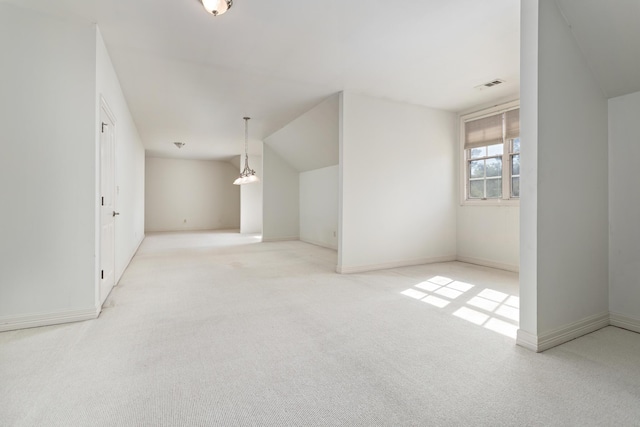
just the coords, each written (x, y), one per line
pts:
(216, 7)
(248, 175)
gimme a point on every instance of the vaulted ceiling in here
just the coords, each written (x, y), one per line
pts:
(608, 33)
(191, 77)
(310, 141)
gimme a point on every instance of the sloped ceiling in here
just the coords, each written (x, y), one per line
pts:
(608, 33)
(191, 77)
(310, 141)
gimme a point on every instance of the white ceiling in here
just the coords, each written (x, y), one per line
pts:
(191, 77)
(310, 141)
(608, 33)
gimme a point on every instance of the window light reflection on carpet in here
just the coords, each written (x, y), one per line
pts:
(493, 310)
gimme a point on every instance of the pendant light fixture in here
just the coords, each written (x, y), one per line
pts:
(217, 7)
(248, 175)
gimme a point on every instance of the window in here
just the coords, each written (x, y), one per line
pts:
(514, 155)
(491, 155)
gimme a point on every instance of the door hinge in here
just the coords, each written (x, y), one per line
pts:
(103, 125)
(102, 274)
(102, 201)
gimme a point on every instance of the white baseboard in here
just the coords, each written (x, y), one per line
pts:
(10, 323)
(394, 264)
(487, 263)
(527, 340)
(625, 322)
(321, 244)
(133, 253)
(539, 343)
(279, 239)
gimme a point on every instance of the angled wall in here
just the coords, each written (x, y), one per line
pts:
(301, 177)
(564, 222)
(310, 141)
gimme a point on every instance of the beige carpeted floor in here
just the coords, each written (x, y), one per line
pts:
(217, 329)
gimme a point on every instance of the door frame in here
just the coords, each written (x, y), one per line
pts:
(103, 105)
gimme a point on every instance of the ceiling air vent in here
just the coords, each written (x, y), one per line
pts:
(492, 83)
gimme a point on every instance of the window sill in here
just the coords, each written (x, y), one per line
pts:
(492, 202)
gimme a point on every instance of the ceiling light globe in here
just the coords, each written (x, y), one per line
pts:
(217, 7)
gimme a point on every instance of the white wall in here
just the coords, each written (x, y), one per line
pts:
(571, 272)
(191, 195)
(281, 198)
(529, 168)
(302, 177)
(489, 235)
(624, 211)
(251, 199)
(129, 167)
(319, 207)
(47, 166)
(398, 197)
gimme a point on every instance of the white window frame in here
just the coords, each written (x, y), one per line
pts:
(506, 199)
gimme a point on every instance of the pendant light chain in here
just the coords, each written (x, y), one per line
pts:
(246, 142)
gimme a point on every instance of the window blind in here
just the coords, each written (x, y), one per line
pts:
(512, 124)
(484, 131)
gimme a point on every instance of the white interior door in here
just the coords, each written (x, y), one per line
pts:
(108, 212)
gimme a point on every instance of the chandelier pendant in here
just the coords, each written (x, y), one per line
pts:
(248, 175)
